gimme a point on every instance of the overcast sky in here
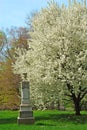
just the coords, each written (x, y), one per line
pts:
(14, 12)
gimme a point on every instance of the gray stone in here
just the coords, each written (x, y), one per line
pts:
(25, 112)
(26, 121)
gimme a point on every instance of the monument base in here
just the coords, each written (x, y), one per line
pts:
(26, 121)
(25, 115)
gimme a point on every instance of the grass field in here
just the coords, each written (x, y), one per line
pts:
(45, 120)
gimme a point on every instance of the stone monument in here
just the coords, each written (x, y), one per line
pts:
(25, 112)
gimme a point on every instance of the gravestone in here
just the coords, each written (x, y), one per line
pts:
(25, 112)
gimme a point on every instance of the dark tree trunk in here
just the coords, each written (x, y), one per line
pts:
(76, 99)
(77, 107)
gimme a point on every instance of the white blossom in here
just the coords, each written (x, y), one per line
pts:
(58, 48)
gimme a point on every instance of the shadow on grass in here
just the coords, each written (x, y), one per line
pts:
(62, 118)
(51, 119)
(8, 120)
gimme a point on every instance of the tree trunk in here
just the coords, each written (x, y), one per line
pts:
(76, 99)
(77, 107)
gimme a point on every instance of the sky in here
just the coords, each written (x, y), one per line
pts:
(15, 12)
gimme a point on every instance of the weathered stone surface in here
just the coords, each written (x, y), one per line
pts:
(25, 94)
(25, 107)
(25, 113)
(27, 121)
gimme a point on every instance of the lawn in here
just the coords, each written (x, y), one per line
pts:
(45, 120)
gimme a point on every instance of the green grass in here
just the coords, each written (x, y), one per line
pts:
(45, 120)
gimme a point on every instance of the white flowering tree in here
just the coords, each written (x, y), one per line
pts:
(58, 50)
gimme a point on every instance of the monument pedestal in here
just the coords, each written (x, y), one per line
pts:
(25, 112)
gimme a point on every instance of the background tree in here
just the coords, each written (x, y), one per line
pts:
(9, 84)
(18, 37)
(3, 41)
(15, 37)
(9, 40)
